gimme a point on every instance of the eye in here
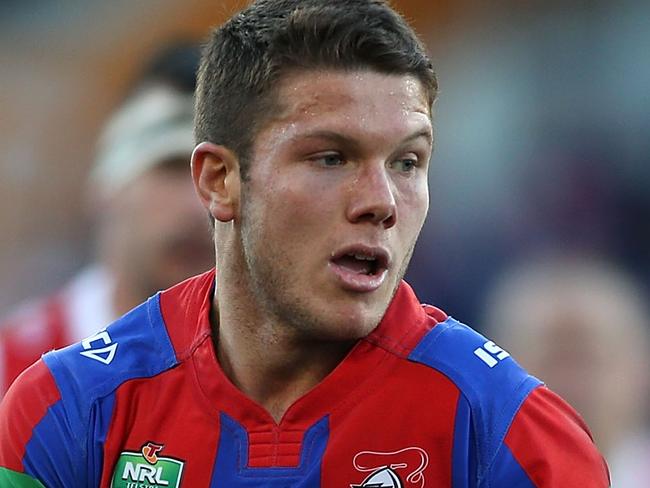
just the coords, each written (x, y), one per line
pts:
(405, 165)
(328, 160)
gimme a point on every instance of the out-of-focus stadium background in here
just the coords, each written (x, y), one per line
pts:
(543, 131)
(543, 149)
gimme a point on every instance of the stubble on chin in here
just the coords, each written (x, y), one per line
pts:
(285, 302)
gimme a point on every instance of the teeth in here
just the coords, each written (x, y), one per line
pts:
(363, 257)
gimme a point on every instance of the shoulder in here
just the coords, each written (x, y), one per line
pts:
(490, 382)
(59, 410)
(39, 325)
(548, 440)
(142, 343)
(484, 372)
(136, 345)
(522, 434)
(24, 406)
(56, 416)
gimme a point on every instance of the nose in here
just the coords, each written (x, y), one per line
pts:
(372, 198)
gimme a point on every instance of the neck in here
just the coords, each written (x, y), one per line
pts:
(266, 359)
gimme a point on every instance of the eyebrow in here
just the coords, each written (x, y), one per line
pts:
(345, 140)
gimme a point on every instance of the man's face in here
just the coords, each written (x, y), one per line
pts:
(161, 230)
(336, 197)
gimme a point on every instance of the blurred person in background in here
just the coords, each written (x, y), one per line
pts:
(151, 230)
(581, 326)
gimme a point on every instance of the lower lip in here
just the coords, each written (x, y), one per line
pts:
(356, 282)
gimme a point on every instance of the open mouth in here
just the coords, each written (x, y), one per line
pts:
(360, 263)
(360, 268)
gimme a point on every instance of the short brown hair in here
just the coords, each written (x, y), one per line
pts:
(246, 56)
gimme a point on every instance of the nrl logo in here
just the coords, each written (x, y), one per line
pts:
(146, 469)
(386, 467)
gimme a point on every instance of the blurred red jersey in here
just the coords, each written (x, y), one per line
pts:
(39, 326)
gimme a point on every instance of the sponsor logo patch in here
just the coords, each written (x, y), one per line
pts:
(146, 469)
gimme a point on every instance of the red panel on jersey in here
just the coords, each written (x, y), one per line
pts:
(38, 382)
(569, 455)
(366, 432)
(404, 323)
(185, 433)
(191, 318)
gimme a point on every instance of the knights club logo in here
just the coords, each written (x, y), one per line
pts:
(396, 469)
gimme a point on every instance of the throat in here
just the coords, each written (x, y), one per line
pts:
(277, 375)
(270, 362)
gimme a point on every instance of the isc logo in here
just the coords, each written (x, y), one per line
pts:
(491, 354)
(102, 354)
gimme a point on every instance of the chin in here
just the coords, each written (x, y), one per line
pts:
(354, 324)
(366, 311)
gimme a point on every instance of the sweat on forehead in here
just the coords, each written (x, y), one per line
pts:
(306, 96)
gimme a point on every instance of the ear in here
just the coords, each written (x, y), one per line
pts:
(215, 172)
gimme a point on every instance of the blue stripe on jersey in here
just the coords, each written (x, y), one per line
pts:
(508, 472)
(231, 466)
(100, 419)
(78, 423)
(55, 455)
(53, 467)
(141, 347)
(493, 383)
(463, 467)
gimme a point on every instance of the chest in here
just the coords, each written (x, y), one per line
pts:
(383, 434)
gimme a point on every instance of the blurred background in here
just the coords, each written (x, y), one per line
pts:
(543, 131)
(542, 151)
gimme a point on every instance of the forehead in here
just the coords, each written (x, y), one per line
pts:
(365, 99)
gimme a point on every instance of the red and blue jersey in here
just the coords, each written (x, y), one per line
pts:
(422, 401)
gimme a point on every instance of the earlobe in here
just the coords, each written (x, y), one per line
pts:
(215, 172)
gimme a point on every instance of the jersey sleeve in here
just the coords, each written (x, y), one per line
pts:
(548, 445)
(37, 446)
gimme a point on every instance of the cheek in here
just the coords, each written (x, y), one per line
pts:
(413, 205)
(297, 205)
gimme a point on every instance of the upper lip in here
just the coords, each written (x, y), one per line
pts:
(381, 255)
